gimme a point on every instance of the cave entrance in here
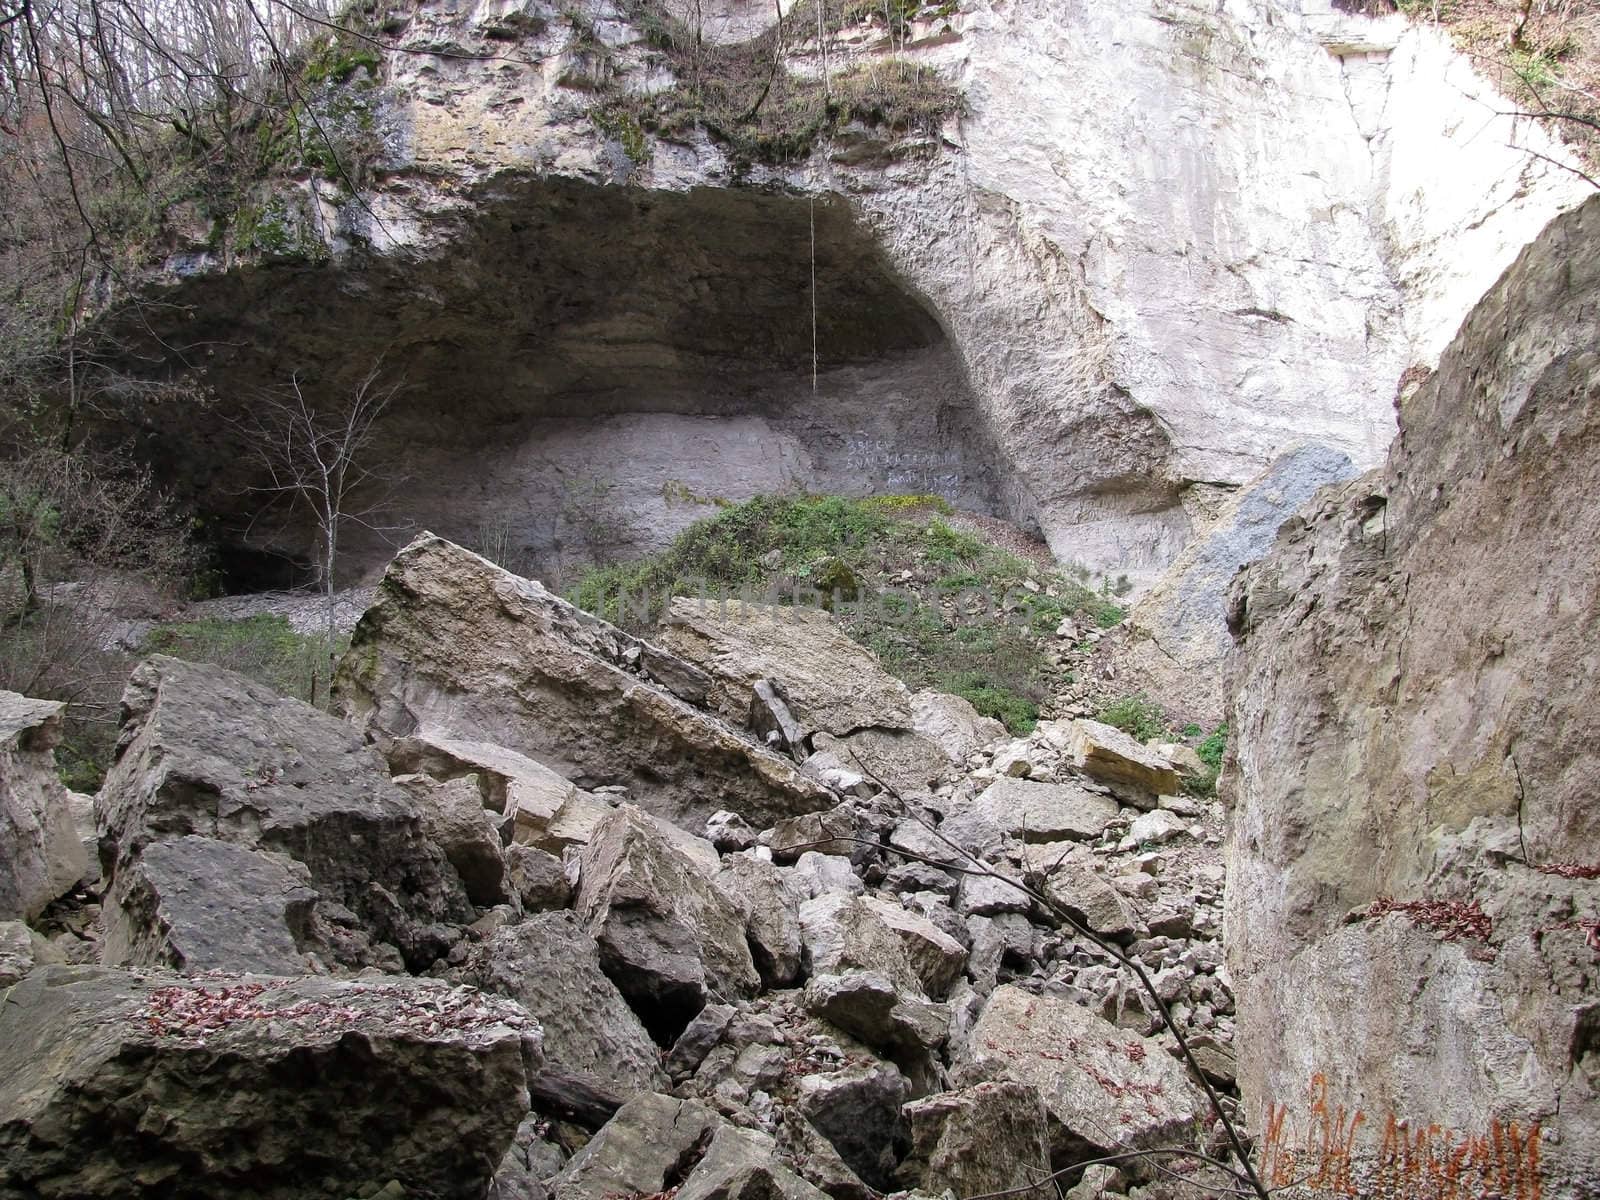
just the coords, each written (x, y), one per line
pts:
(589, 369)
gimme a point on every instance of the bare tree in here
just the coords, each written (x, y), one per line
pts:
(315, 454)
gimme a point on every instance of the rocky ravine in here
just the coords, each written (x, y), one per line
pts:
(1166, 242)
(588, 916)
(1414, 888)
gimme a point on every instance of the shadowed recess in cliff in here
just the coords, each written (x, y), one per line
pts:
(588, 369)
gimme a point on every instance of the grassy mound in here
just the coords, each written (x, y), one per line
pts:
(941, 608)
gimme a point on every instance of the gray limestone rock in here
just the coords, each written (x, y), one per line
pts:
(41, 856)
(597, 1055)
(127, 1086)
(669, 938)
(208, 754)
(458, 646)
(988, 1138)
(1103, 1087)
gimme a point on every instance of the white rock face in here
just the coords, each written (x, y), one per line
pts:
(1268, 214)
(1167, 241)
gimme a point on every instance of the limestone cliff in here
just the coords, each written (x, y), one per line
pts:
(1413, 892)
(1163, 242)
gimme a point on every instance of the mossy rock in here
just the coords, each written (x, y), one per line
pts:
(832, 576)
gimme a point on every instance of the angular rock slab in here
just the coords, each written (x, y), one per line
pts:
(741, 1164)
(1102, 1086)
(199, 904)
(952, 724)
(597, 1055)
(459, 646)
(988, 1138)
(770, 899)
(651, 1145)
(209, 754)
(41, 857)
(1030, 811)
(669, 938)
(830, 682)
(1130, 769)
(150, 1087)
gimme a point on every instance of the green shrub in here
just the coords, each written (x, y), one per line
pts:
(1212, 749)
(1134, 715)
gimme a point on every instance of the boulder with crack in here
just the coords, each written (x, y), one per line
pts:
(123, 1086)
(834, 692)
(597, 1055)
(1028, 811)
(459, 646)
(207, 755)
(770, 899)
(41, 857)
(669, 938)
(651, 1146)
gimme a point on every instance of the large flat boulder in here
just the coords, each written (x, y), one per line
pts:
(458, 646)
(295, 795)
(669, 938)
(123, 1086)
(1104, 1088)
(1132, 770)
(597, 1055)
(1030, 812)
(833, 690)
(41, 857)
(830, 682)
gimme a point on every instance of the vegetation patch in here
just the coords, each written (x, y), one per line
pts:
(941, 607)
(747, 97)
(264, 648)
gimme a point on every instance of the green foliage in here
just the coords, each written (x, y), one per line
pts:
(918, 576)
(947, 545)
(335, 58)
(1135, 715)
(1017, 713)
(620, 123)
(1212, 749)
(264, 647)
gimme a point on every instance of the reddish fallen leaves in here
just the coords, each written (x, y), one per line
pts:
(1452, 920)
(182, 1011)
(1571, 870)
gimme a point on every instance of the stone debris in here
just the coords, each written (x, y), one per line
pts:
(871, 993)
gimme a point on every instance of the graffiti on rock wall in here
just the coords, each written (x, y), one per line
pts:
(1329, 1148)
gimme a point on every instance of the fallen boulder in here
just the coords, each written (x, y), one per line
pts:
(770, 900)
(458, 646)
(1103, 1087)
(209, 755)
(455, 820)
(1133, 771)
(1031, 812)
(41, 857)
(651, 1146)
(668, 937)
(597, 1055)
(123, 1086)
(988, 1138)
